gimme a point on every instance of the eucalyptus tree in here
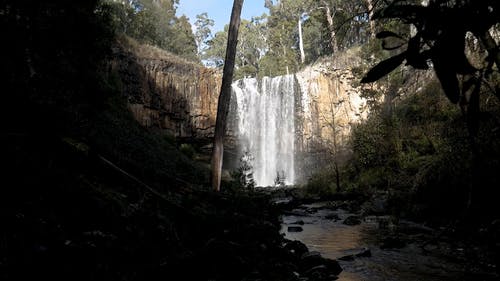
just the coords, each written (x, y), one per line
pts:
(303, 30)
(183, 42)
(252, 46)
(284, 18)
(154, 22)
(203, 33)
(216, 49)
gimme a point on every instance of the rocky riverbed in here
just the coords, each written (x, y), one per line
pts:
(381, 247)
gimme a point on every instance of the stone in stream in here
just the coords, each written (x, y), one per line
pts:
(299, 222)
(312, 261)
(333, 217)
(295, 229)
(393, 243)
(297, 213)
(295, 247)
(318, 272)
(352, 220)
(363, 253)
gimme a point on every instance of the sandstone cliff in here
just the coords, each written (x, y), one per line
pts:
(180, 97)
(166, 92)
(330, 103)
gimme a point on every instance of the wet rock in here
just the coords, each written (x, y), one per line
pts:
(319, 272)
(313, 259)
(393, 243)
(297, 213)
(352, 220)
(411, 228)
(354, 207)
(295, 229)
(363, 253)
(297, 248)
(376, 206)
(333, 217)
(347, 258)
(312, 254)
(333, 267)
(309, 260)
(387, 223)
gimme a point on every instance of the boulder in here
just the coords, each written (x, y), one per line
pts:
(295, 247)
(333, 217)
(299, 222)
(362, 253)
(352, 220)
(393, 242)
(295, 229)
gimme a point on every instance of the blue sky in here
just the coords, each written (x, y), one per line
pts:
(219, 10)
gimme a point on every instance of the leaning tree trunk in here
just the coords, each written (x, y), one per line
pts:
(225, 95)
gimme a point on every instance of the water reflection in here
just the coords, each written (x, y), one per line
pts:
(324, 232)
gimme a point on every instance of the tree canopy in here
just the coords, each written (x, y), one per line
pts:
(442, 30)
(292, 34)
(154, 22)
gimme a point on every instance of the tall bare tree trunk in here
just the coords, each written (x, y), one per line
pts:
(301, 42)
(333, 34)
(370, 14)
(225, 95)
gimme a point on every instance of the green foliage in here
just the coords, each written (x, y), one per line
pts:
(203, 33)
(269, 45)
(187, 150)
(243, 176)
(441, 29)
(321, 184)
(216, 52)
(423, 153)
(183, 42)
(316, 37)
(154, 22)
(251, 47)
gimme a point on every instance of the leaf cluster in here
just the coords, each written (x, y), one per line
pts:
(439, 40)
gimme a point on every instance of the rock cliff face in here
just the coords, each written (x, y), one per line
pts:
(180, 97)
(166, 92)
(330, 105)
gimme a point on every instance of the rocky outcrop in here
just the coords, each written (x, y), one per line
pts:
(295, 124)
(173, 95)
(165, 92)
(331, 104)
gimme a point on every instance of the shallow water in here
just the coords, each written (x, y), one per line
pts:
(335, 240)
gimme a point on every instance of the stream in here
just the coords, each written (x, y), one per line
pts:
(358, 248)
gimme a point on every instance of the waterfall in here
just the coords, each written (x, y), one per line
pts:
(266, 126)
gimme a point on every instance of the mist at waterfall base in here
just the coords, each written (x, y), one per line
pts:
(266, 127)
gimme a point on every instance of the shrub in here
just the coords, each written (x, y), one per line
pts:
(187, 150)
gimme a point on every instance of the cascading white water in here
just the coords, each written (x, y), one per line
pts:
(266, 126)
